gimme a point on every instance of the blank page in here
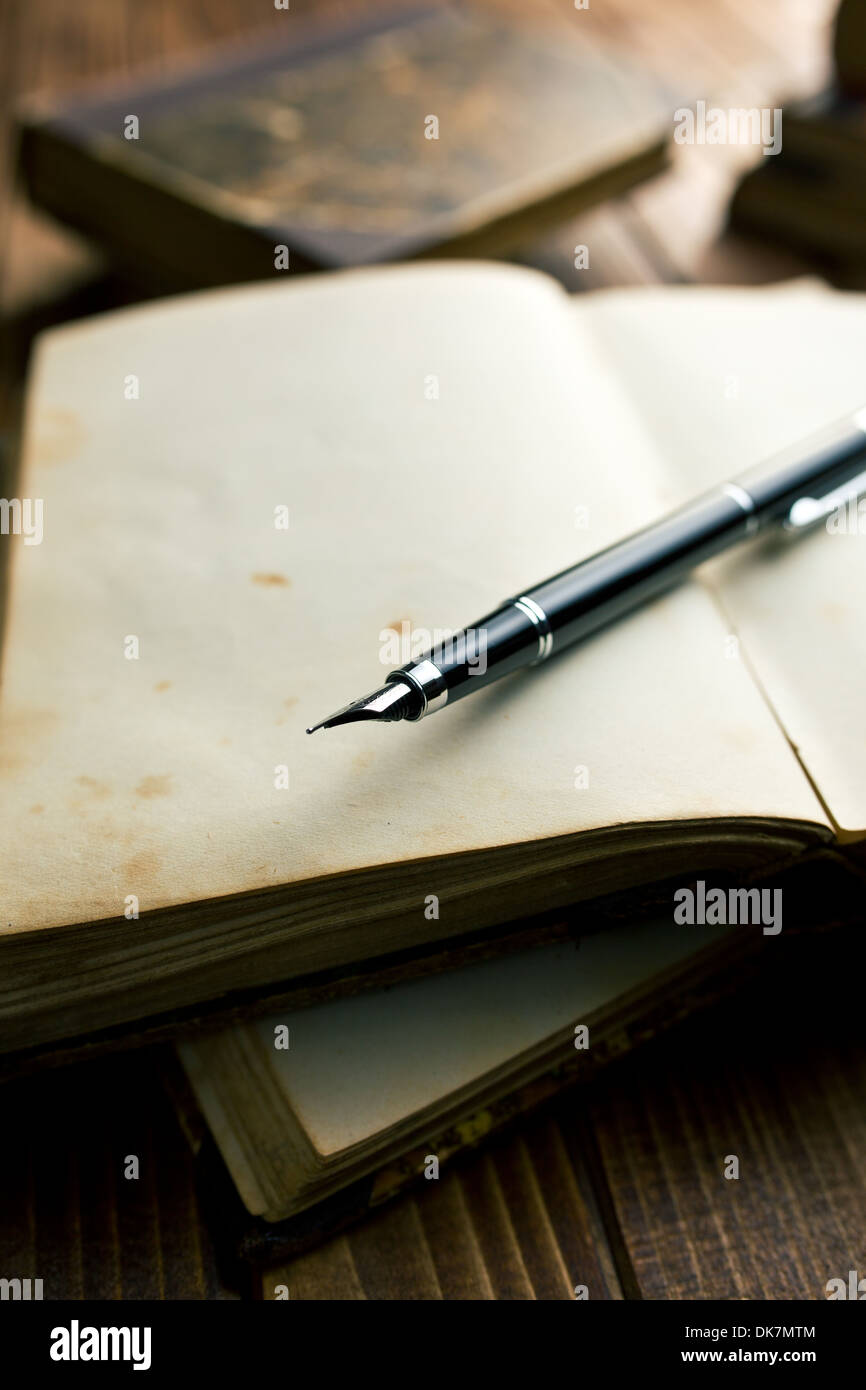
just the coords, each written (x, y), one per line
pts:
(432, 431)
(722, 379)
(357, 1066)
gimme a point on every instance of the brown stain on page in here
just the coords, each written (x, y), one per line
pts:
(161, 686)
(287, 704)
(91, 790)
(60, 436)
(271, 581)
(20, 735)
(96, 788)
(143, 865)
(154, 786)
(833, 612)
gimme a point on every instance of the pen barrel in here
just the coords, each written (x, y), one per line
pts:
(613, 582)
(811, 466)
(580, 601)
(497, 644)
(572, 605)
(605, 587)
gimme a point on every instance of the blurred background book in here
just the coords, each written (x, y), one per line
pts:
(812, 196)
(325, 150)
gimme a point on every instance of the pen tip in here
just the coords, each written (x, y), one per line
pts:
(396, 700)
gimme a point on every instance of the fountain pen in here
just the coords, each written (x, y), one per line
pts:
(794, 490)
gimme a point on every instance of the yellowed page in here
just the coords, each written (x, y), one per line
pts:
(432, 431)
(358, 1066)
(722, 379)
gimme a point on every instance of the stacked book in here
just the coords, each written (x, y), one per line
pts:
(810, 196)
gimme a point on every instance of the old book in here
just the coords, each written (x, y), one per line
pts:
(303, 1122)
(811, 196)
(826, 132)
(436, 435)
(849, 47)
(419, 133)
(304, 1106)
(804, 210)
(441, 1036)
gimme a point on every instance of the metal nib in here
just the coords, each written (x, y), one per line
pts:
(396, 700)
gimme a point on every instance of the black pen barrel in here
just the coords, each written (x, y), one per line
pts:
(575, 603)
(813, 465)
(579, 601)
(614, 581)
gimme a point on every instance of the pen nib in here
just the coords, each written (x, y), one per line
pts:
(396, 700)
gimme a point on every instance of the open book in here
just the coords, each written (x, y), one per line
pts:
(436, 437)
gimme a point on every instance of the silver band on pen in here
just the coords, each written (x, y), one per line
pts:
(537, 616)
(745, 501)
(428, 681)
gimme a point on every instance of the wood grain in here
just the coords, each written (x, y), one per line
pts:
(781, 1086)
(68, 1213)
(516, 1220)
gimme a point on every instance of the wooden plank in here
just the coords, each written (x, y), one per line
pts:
(780, 1087)
(70, 1217)
(327, 1273)
(392, 1257)
(452, 1241)
(516, 1220)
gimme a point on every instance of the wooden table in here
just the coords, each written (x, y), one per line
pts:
(619, 1186)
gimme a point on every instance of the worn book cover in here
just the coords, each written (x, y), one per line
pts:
(811, 198)
(418, 133)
